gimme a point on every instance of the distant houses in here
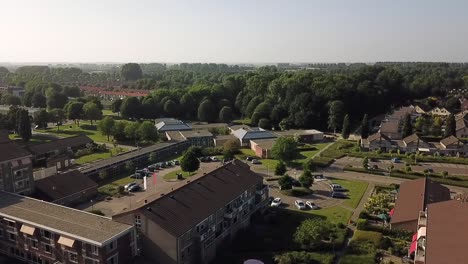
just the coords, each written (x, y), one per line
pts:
(16, 172)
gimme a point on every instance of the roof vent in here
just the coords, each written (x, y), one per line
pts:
(199, 182)
(146, 201)
(172, 197)
(148, 208)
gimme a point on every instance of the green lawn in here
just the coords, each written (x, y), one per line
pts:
(356, 190)
(85, 128)
(173, 175)
(335, 214)
(35, 139)
(98, 156)
(110, 188)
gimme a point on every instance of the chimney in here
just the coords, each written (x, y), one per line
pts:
(146, 201)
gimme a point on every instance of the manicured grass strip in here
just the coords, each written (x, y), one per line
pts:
(335, 214)
(173, 175)
(356, 190)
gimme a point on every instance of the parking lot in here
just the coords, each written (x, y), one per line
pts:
(320, 196)
(455, 169)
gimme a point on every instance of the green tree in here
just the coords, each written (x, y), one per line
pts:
(129, 166)
(450, 126)
(153, 157)
(130, 108)
(41, 118)
(285, 149)
(74, 111)
(115, 106)
(56, 100)
(280, 168)
(365, 127)
(206, 111)
(407, 127)
(306, 179)
(436, 129)
(225, 115)
(147, 131)
(57, 116)
(131, 131)
(285, 182)
(311, 232)
(23, 124)
(335, 115)
(231, 148)
(131, 72)
(170, 108)
(264, 123)
(92, 112)
(407, 168)
(10, 99)
(39, 100)
(346, 129)
(118, 131)
(189, 161)
(106, 126)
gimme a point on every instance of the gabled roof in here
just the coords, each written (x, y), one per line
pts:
(64, 184)
(185, 207)
(446, 232)
(196, 134)
(414, 196)
(72, 223)
(265, 143)
(451, 140)
(10, 150)
(440, 111)
(461, 123)
(253, 133)
(378, 137)
(63, 143)
(171, 125)
(389, 127)
(414, 138)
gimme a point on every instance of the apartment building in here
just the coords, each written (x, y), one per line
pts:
(189, 224)
(16, 174)
(35, 231)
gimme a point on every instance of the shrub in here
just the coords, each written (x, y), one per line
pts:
(97, 212)
(385, 243)
(297, 191)
(306, 179)
(361, 224)
(374, 237)
(280, 168)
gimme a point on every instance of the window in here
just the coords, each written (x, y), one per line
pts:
(11, 236)
(137, 221)
(11, 223)
(32, 242)
(46, 234)
(112, 245)
(113, 260)
(94, 250)
(47, 248)
(73, 257)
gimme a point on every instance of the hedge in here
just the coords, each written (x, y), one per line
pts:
(374, 237)
(362, 170)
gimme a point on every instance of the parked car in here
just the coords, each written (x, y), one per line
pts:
(256, 161)
(134, 188)
(300, 205)
(276, 202)
(214, 158)
(312, 205)
(151, 168)
(335, 187)
(136, 176)
(396, 160)
(249, 158)
(340, 195)
(176, 162)
(126, 187)
(205, 159)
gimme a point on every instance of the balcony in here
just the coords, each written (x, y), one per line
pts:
(422, 221)
(262, 190)
(229, 214)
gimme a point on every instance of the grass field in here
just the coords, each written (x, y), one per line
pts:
(85, 128)
(98, 156)
(356, 190)
(335, 214)
(35, 139)
(173, 175)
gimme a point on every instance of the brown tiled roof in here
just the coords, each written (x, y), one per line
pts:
(182, 209)
(446, 232)
(194, 134)
(64, 184)
(414, 196)
(378, 137)
(461, 123)
(62, 143)
(389, 127)
(59, 219)
(265, 143)
(412, 138)
(207, 125)
(450, 140)
(10, 150)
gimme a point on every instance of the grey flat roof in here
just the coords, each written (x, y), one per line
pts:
(129, 155)
(69, 222)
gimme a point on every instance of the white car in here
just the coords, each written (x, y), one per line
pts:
(126, 187)
(300, 205)
(256, 161)
(311, 205)
(276, 202)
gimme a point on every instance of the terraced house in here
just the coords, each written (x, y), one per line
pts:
(191, 223)
(34, 231)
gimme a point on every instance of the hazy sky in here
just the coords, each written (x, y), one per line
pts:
(233, 30)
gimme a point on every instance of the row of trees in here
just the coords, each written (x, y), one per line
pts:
(126, 131)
